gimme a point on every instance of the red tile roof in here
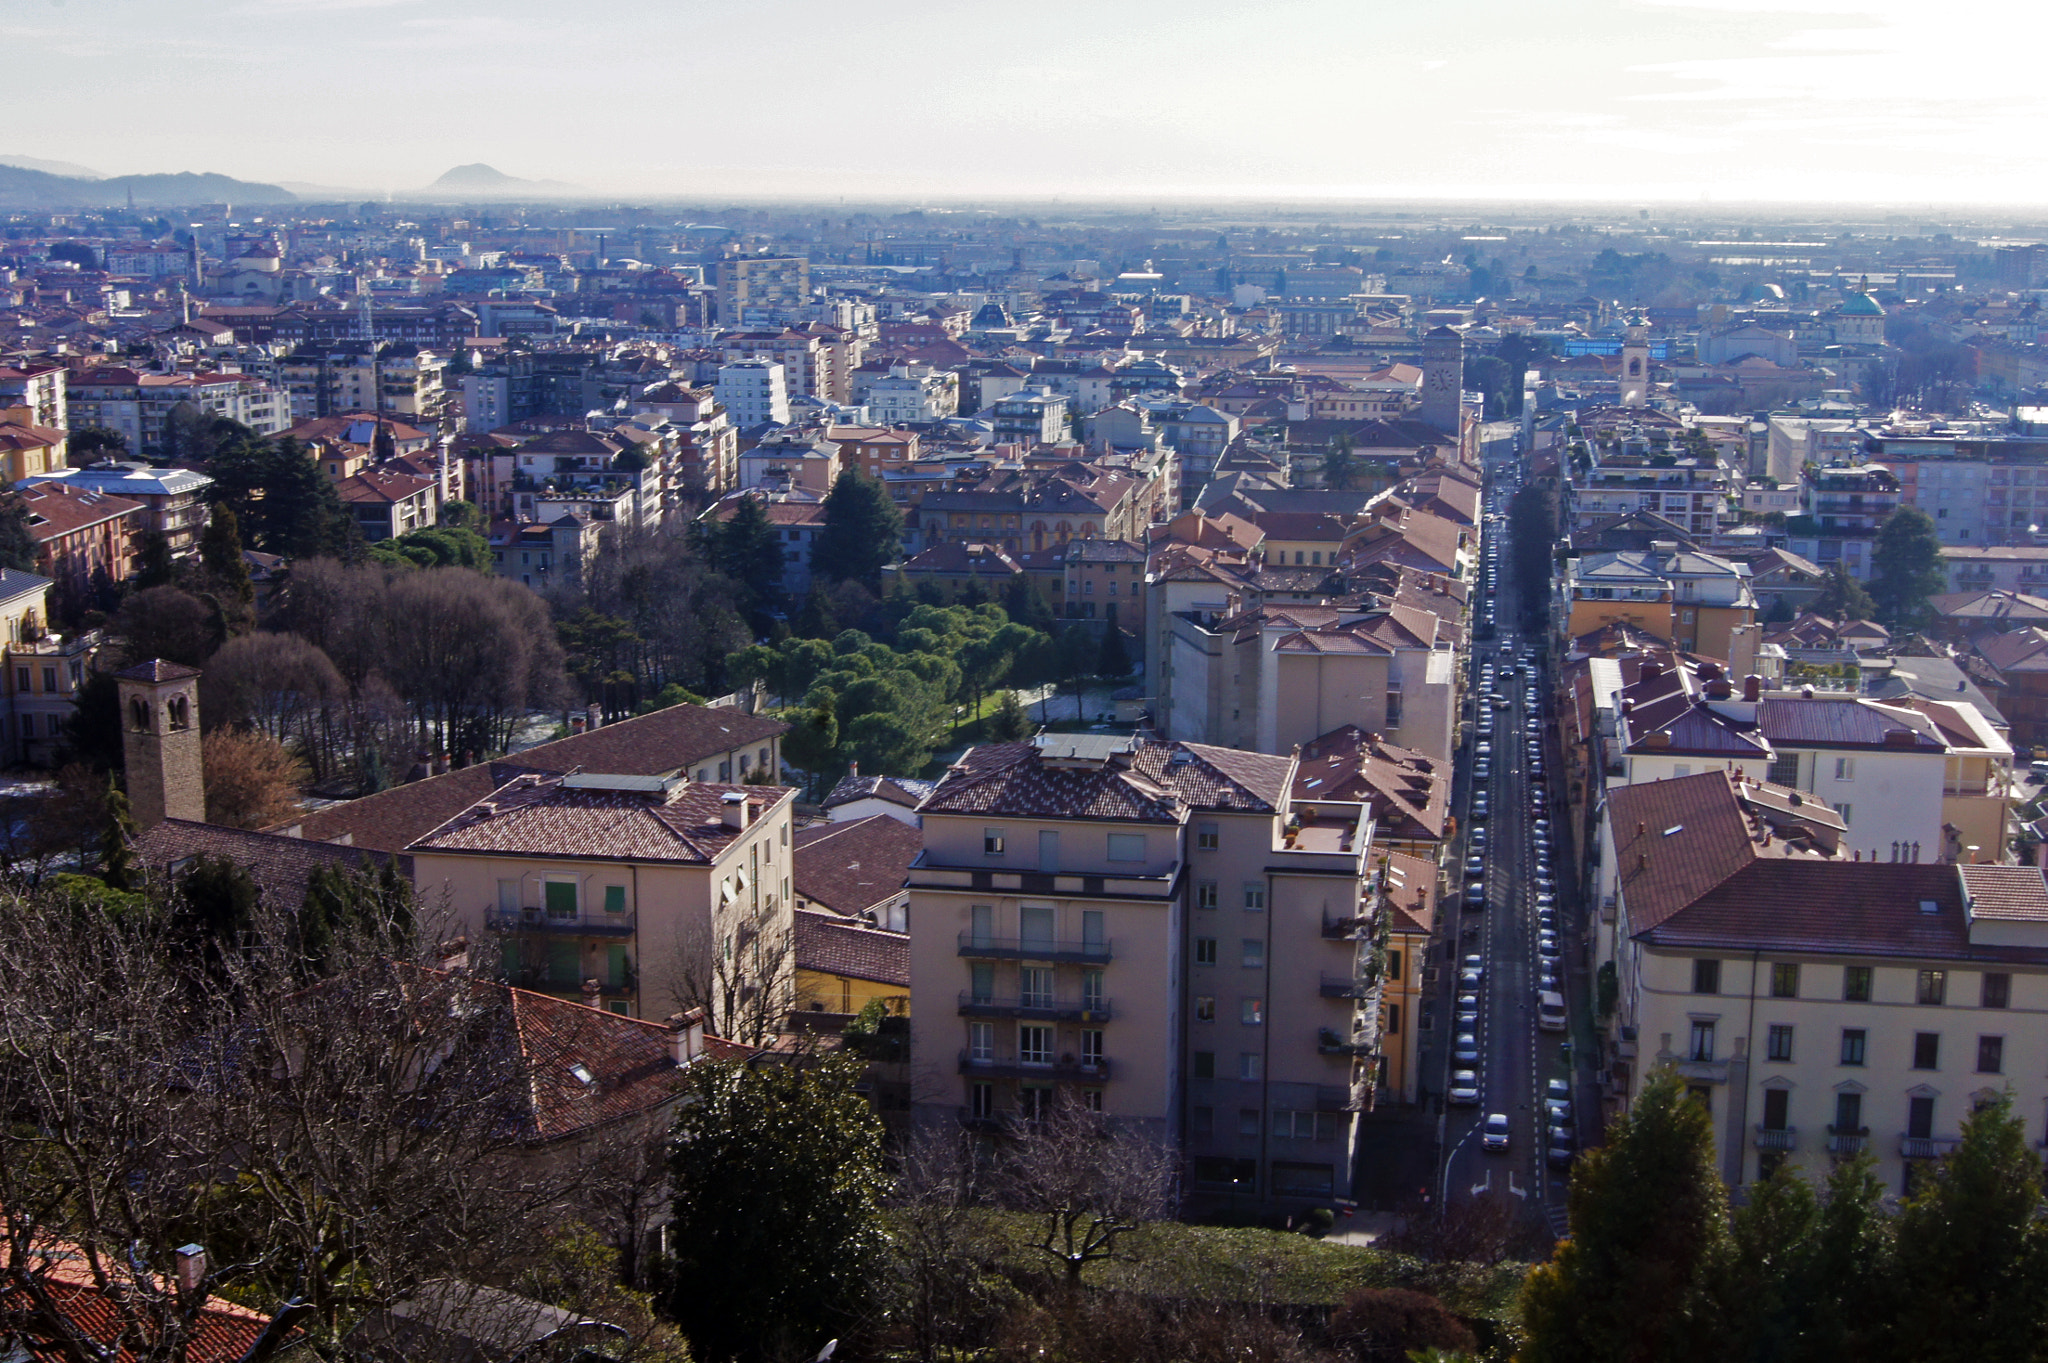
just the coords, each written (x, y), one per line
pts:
(851, 867)
(1152, 783)
(550, 816)
(833, 946)
(279, 865)
(2007, 892)
(222, 1333)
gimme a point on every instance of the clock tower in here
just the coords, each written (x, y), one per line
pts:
(1635, 363)
(1443, 379)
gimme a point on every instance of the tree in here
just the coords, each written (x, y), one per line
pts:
(1647, 1218)
(778, 1184)
(17, 541)
(1971, 1271)
(1339, 468)
(366, 903)
(252, 781)
(213, 917)
(943, 1250)
(1007, 723)
(153, 564)
(1906, 566)
(863, 532)
(225, 571)
(167, 623)
(1842, 598)
(748, 549)
(1086, 1183)
(117, 844)
(812, 743)
(90, 444)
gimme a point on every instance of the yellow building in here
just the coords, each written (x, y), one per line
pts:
(850, 934)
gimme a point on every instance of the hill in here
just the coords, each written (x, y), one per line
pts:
(24, 188)
(478, 180)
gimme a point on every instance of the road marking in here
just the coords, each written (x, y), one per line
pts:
(1487, 1185)
(1518, 1192)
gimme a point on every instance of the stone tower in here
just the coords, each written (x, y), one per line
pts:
(160, 742)
(1635, 363)
(1443, 379)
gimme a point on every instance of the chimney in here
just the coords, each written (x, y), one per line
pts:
(1651, 670)
(1719, 689)
(1806, 693)
(736, 811)
(853, 768)
(191, 1267)
(593, 994)
(1752, 688)
(596, 715)
(452, 955)
(686, 1036)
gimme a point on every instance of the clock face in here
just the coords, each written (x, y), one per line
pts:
(1440, 381)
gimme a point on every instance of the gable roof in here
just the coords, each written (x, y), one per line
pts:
(279, 865)
(552, 816)
(834, 946)
(851, 867)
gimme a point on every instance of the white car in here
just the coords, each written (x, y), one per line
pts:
(1494, 1135)
(1464, 1088)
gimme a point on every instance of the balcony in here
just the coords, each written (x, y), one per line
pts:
(1777, 1138)
(1337, 1098)
(1848, 1140)
(995, 877)
(554, 979)
(576, 925)
(1329, 1041)
(1346, 987)
(1035, 1008)
(1699, 1071)
(982, 947)
(1927, 1147)
(1064, 1070)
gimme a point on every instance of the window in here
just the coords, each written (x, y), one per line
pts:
(1205, 951)
(1034, 1101)
(1997, 990)
(614, 899)
(981, 1040)
(1856, 983)
(1784, 770)
(982, 920)
(1034, 1045)
(1847, 811)
(21, 680)
(1203, 1119)
(1205, 894)
(1394, 965)
(1127, 847)
(991, 842)
(1091, 990)
(1254, 950)
(1849, 1114)
(1919, 1118)
(1785, 980)
(1205, 1007)
(1776, 1102)
(1854, 1039)
(1091, 1045)
(508, 896)
(1247, 1121)
(1393, 1019)
(1249, 1064)
(1252, 1012)
(1703, 1094)
(1990, 1055)
(1845, 768)
(1706, 977)
(1393, 709)
(981, 1100)
(1206, 837)
(1779, 1043)
(560, 898)
(1093, 926)
(1933, 986)
(50, 680)
(982, 982)
(1926, 1050)
(1205, 1064)
(1036, 926)
(1702, 1041)
(1034, 986)
(1255, 897)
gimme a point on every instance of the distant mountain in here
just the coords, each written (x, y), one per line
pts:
(65, 168)
(479, 181)
(20, 188)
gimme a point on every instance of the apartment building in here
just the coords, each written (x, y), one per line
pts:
(656, 888)
(1696, 601)
(1156, 929)
(43, 388)
(1637, 473)
(1841, 510)
(754, 392)
(139, 406)
(172, 499)
(42, 671)
(760, 283)
(1819, 1006)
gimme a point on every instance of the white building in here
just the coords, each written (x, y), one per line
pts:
(755, 392)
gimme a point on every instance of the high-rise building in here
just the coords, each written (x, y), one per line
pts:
(760, 282)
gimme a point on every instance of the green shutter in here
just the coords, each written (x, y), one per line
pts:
(561, 898)
(616, 961)
(614, 899)
(565, 964)
(508, 956)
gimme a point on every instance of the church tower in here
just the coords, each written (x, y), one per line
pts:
(1635, 363)
(160, 742)
(1443, 380)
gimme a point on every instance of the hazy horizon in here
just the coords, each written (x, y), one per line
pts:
(1682, 102)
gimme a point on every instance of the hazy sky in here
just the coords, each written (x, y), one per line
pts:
(1889, 100)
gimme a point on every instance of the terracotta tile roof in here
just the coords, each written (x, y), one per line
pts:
(2006, 892)
(853, 866)
(1411, 893)
(897, 790)
(57, 509)
(833, 946)
(1408, 793)
(279, 865)
(658, 744)
(1150, 782)
(156, 670)
(222, 1333)
(551, 816)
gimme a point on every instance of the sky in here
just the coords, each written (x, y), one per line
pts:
(1867, 101)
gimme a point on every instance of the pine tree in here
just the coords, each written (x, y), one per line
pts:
(749, 552)
(1008, 722)
(1906, 566)
(1842, 598)
(227, 572)
(863, 532)
(17, 541)
(117, 843)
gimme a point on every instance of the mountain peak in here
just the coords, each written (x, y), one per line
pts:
(477, 176)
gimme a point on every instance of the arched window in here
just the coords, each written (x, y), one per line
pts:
(180, 711)
(138, 715)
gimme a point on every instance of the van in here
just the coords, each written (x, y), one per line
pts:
(1550, 1011)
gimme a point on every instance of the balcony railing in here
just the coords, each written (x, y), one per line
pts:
(1337, 1098)
(1035, 1008)
(1065, 1069)
(598, 924)
(1332, 1042)
(1777, 1138)
(987, 948)
(554, 979)
(1848, 1140)
(1927, 1147)
(1345, 987)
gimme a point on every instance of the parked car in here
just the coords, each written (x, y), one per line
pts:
(1465, 1050)
(1464, 1088)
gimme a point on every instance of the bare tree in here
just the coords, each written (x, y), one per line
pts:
(252, 780)
(743, 977)
(282, 686)
(1087, 1180)
(943, 1250)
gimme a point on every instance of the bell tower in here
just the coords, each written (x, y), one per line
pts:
(160, 742)
(1635, 363)
(1443, 380)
